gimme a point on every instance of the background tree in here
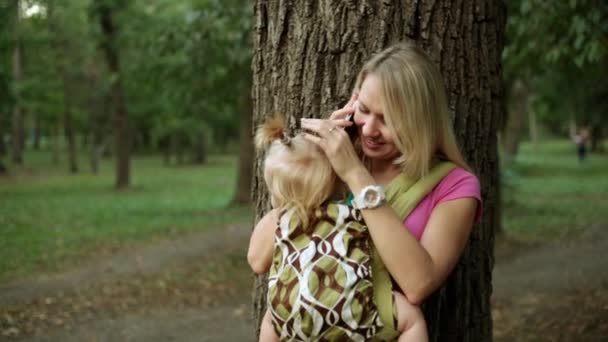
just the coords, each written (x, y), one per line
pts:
(105, 11)
(551, 62)
(306, 58)
(18, 136)
(6, 22)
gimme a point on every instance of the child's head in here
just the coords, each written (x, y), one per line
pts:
(296, 171)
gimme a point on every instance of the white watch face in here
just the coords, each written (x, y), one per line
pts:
(370, 197)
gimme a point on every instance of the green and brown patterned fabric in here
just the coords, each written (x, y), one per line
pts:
(328, 283)
(320, 286)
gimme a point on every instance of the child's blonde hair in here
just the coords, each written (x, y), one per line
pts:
(298, 174)
(415, 107)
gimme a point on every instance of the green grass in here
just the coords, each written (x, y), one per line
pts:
(50, 219)
(550, 196)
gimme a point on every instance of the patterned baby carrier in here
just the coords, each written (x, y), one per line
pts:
(329, 283)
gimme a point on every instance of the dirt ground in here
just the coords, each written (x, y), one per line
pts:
(198, 288)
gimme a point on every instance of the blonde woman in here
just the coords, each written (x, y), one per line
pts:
(402, 118)
(320, 285)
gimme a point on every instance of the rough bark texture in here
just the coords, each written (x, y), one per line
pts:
(122, 141)
(307, 55)
(514, 129)
(18, 133)
(60, 46)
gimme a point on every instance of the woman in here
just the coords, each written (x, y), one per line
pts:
(402, 118)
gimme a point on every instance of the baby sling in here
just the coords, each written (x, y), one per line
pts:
(323, 279)
(403, 194)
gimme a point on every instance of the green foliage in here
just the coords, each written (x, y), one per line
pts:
(183, 65)
(559, 50)
(78, 216)
(551, 196)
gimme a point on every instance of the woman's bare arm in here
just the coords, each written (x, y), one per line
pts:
(261, 244)
(419, 268)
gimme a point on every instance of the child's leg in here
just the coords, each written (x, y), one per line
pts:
(410, 321)
(267, 333)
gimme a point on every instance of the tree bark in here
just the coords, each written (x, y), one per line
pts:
(60, 45)
(515, 122)
(306, 58)
(68, 127)
(122, 141)
(56, 140)
(242, 194)
(200, 149)
(533, 127)
(18, 133)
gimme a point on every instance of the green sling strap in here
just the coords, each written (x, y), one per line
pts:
(403, 194)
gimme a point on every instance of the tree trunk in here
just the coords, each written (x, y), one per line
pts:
(18, 136)
(68, 128)
(515, 121)
(597, 138)
(37, 133)
(200, 149)
(60, 46)
(307, 55)
(3, 149)
(242, 194)
(533, 127)
(96, 145)
(122, 143)
(56, 134)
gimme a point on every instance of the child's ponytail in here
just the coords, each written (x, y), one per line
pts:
(271, 130)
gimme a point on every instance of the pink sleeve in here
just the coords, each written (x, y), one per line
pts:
(459, 184)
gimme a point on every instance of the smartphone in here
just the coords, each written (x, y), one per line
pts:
(352, 130)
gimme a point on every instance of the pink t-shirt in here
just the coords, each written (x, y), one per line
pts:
(459, 183)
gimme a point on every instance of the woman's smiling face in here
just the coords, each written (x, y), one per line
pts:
(376, 139)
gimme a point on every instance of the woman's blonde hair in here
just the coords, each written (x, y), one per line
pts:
(415, 108)
(298, 174)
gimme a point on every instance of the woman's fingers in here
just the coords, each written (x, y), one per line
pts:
(351, 102)
(320, 126)
(342, 113)
(313, 138)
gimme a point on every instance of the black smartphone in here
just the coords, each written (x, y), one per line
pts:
(352, 130)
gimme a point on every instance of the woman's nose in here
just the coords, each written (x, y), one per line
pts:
(370, 127)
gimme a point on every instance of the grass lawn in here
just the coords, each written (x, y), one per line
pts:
(50, 219)
(550, 196)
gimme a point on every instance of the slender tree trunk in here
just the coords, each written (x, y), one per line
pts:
(56, 144)
(60, 46)
(36, 133)
(3, 150)
(307, 55)
(18, 135)
(200, 149)
(242, 194)
(96, 145)
(515, 121)
(596, 138)
(572, 124)
(68, 128)
(533, 127)
(122, 141)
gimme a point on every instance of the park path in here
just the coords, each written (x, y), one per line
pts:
(527, 284)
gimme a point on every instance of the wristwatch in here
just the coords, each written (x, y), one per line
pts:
(372, 196)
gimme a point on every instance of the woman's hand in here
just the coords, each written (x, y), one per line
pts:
(346, 111)
(330, 136)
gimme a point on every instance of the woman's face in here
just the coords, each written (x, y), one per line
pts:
(376, 140)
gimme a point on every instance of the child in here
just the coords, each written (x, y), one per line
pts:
(318, 253)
